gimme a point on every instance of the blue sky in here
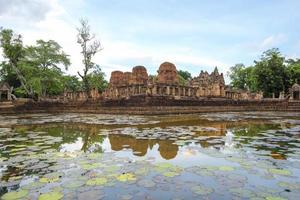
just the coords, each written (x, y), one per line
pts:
(194, 35)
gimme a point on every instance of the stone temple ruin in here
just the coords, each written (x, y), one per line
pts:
(124, 85)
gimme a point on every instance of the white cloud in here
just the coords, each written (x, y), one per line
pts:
(272, 41)
(27, 10)
(57, 24)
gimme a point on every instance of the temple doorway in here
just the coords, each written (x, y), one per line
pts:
(296, 95)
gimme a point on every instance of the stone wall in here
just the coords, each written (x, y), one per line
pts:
(144, 105)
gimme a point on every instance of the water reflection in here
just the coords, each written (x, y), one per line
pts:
(219, 135)
(185, 141)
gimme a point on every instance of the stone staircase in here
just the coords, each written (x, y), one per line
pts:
(6, 104)
(294, 106)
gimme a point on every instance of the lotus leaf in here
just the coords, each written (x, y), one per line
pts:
(15, 195)
(291, 186)
(97, 181)
(171, 174)
(274, 198)
(55, 195)
(240, 192)
(282, 172)
(226, 168)
(201, 190)
(126, 177)
(33, 185)
(92, 166)
(73, 184)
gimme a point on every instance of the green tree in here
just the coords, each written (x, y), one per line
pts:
(97, 79)
(238, 76)
(49, 58)
(293, 70)
(270, 72)
(13, 52)
(90, 46)
(250, 79)
(7, 74)
(185, 75)
(71, 83)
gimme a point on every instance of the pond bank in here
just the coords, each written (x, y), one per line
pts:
(155, 106)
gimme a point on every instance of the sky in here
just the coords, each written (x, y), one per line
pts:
(194, 35)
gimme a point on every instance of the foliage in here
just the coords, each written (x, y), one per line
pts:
(96, 79)
(33, 70)
(71, 83)
(185, 75)
(13, 52)
(271, 74)
(238, 76)
(182, 81)
(47, 58)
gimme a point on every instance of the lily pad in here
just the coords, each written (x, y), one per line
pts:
(92, 166)
(171, 174)
(201, 190)
(126, 177)
(93, 156)
(226, 168)
(33, 186)
(290, 185)
(241, 192)
(51, 178)
(15, 195)
(274, 198)
(51, 196)
(97, 181)
(282, 172)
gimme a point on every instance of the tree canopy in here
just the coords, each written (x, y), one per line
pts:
(271, 74)
(38, 70)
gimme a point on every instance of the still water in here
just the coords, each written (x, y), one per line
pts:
(203, 156)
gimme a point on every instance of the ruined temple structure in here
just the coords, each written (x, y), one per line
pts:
(295, 92)
(81, 95)
(5, 92)
(209, 85)
(166, 83)
(124, 85)
(231, 93)
(137, 82)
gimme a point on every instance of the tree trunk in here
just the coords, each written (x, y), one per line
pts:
(23, 81)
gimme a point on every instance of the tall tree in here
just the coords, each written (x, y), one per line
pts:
(271, 73)
(13, 51)
(237, 74)
(90, 46)
(49, 58)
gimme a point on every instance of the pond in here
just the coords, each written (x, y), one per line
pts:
(200, 156)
